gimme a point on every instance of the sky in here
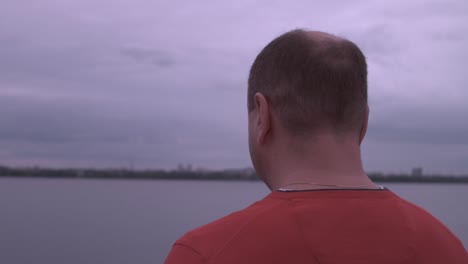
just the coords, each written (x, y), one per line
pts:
(154, 84)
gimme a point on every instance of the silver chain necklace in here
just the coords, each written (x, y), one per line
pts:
(327, 185)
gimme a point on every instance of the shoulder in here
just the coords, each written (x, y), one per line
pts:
(210, 238)
(429, 231)
(420, 218)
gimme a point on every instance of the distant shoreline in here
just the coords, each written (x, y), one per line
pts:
(222, 175)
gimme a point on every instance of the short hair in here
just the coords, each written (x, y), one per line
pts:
(311, 82)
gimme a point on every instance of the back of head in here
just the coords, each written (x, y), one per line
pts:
(313, 81)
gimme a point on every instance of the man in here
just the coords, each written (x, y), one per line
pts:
(308, 113)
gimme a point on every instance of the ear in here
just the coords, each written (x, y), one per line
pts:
(263, 122)
(364, 126)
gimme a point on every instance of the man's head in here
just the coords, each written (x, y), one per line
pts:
(302, 84)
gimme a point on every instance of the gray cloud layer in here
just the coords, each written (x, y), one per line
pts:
(155, 83)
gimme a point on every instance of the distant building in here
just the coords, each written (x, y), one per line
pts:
(184, 168)
(417, 172)
(248, 174)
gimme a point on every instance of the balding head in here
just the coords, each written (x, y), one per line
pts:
(313, 81)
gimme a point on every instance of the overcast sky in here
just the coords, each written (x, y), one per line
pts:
(112, 83)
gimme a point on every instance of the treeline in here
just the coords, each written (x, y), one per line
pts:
(37, 172)
(244, 174)
(423, 178)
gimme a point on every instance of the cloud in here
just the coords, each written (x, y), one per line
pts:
(77, 134)
(155, 57)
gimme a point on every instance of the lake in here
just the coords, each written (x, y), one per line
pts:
(136, 221)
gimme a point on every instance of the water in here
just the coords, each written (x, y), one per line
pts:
(120, 221)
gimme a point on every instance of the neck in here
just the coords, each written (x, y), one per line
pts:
(325, 161)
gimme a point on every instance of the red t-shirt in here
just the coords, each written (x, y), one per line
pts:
(322, 226)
